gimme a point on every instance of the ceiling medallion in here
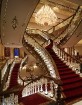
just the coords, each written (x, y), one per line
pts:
(45, 16)
(14, 23)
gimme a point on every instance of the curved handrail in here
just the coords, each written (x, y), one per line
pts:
(31, 50)
(73, 58)
(71, 61)
(11, 65)
(68, 28)
(39, 32)
(57, 81)
(71, 33)
(55, 27)
(5, 77)
(4, 66)
(36, 85)
(45, 56)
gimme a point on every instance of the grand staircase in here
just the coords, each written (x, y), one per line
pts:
(71, 86)
(71, 82)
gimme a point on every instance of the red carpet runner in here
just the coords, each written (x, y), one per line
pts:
(72, 83)
(14, 80)
(14, 76)
(35, 99)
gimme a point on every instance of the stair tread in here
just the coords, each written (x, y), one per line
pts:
(72, 86)
(71, 82)
(69, 76)
(66, 72)
(73, 92)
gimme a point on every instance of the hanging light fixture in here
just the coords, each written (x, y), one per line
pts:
(45, 16)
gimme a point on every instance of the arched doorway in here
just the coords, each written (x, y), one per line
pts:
(16, 52)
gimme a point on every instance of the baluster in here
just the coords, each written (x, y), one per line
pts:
(59, 53)
(38, 86)
(16, 99)
(3, 100)
(68, 60)
(7, 100)
(64, 57)
(51, 87)
(28, 90)
(41, 86)
(59, 100)
(55, 90)
(24, 92)
(12, 99)
(31, 88)
(46, 91)
(35, 87)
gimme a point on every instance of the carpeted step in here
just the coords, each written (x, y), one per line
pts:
(14, 76)
(66, 72)
(71, 82)
(62, 66)
(72, 85)
(72, 99)
(69, 76)
(58, 62)
(73, 93)
(64, 69)
(35, 99)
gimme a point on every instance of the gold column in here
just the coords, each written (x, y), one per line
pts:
(21, 52)
(11, 53)
(1, 51)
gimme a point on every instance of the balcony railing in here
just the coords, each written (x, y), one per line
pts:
(37, 31)
(60, 25)
(72, 26)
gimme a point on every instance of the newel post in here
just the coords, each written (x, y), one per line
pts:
(59, 100)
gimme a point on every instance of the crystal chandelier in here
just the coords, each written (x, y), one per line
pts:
(45, 16)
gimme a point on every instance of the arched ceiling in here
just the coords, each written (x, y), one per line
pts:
(20, 11)
(62, 8)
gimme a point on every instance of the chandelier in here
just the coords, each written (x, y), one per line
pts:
(45, 16)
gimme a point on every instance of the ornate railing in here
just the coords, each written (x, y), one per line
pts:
(45, 85)
(4, 69)
(71, 61)
(43, 54)
(20, 80)
(72, 25)
(9, 75)
(37, 31)
(23, 61)
(59, 25)
(71, 33)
